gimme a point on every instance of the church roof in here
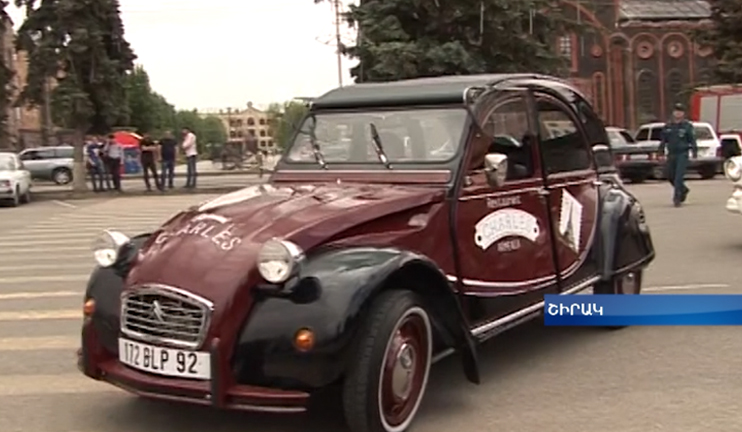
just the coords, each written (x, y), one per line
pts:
(663, 10)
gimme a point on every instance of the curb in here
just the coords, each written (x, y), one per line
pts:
(71, 196)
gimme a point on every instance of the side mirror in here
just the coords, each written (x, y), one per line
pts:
(603, 157)
(496, 169)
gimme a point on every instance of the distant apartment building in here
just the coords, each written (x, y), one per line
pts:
(249, 126)
(24, 123)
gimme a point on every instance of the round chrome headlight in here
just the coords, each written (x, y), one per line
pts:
(107, 247)
(278, 260)
(733, 169)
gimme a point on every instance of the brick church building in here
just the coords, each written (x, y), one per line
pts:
(640, 59)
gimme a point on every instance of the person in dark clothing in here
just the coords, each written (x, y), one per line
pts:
(102, 144)
(168, 149)
(679, 138)
(94, 163)
(147, 156)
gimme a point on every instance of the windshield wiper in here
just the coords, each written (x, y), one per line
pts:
(378, 146)
(315, 146)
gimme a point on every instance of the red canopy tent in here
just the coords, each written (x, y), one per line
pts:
(127, 139)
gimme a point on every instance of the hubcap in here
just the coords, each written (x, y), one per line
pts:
(630, 283)
(404, 372)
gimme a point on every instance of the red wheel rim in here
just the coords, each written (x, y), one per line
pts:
(404, 372)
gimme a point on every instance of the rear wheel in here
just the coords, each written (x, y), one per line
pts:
(389, 372)
(26, 198)
(707, 173)
(629, 283)
(16, 198)
(62, 176)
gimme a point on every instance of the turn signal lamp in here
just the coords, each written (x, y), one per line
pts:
(304, 340)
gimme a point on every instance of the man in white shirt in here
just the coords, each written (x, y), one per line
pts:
(190, 149)
(115, 153)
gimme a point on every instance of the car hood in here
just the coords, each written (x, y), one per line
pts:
(215, 244)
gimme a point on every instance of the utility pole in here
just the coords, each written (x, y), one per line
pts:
(338, 43)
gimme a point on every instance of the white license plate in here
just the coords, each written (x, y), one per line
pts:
(639, 157)
(165, 361)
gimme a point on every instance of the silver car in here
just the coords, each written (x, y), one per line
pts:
(49, 163)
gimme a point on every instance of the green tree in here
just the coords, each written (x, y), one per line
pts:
(149, 111)
(6, 79)
(724, 37)
(212, 130)
(81, 45)
(399, 39)
(284, 119)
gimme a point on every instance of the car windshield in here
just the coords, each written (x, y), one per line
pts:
(703, 133)
(6, 163)
(405, 136)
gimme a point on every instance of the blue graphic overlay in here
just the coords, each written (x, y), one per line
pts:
(634, 310)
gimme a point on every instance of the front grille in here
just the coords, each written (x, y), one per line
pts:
(165, 315)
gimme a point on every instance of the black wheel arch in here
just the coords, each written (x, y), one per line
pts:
(625, 242)
(332, 295)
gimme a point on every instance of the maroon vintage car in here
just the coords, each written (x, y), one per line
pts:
(405, 221)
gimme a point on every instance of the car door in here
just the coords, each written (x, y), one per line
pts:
(504, 240)
(572, 185)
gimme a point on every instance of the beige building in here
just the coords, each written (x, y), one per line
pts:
(248, 125)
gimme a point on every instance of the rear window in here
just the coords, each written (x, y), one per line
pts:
(703, 133)
(656, 134)
(64, 152)
(627, 136)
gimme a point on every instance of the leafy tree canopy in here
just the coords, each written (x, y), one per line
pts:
(724, 37)
(284, 119)
(399, 39)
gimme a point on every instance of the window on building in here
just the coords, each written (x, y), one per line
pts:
(270, 143)
(674, 88)
(646, 96)
(250, 121)
(251, 132)
(233, 134)
(262, 133)
(262, 122)
(262, 143)
(565, 46)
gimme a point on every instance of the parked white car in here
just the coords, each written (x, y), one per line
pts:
(15, 180)
(731, 145)
(709, 159)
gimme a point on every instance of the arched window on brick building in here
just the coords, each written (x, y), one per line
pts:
(674, 88)
(646, 97)
(599, 95)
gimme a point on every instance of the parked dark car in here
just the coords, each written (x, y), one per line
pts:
(357, 270)
(636, 162)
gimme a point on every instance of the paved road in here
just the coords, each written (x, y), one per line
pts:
(535, 379)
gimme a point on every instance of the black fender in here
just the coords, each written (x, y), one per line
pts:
(105, 285)
(625, 241)
(331, 295)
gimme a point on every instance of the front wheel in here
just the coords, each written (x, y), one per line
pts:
(629, 283)
(389, 372)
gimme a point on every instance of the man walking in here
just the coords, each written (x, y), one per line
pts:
(105, 164)
(94, 164)
(191, 151)
(147, 152)
(115, 154)
(678, 137)
(168, 148)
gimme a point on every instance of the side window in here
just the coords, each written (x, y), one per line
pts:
(643, 134)
(593, 125)
(656, 134)
(29, 155)
(507, 131)
(563, 146)
(45, 154)
(64, 153)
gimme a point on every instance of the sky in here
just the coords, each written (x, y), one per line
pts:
(216, 54)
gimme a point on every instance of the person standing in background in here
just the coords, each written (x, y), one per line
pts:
(190, 148)
(94, 163)
(168, 150)
(115, 154)
(679, 138)
(147, 153)
(105, 163)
